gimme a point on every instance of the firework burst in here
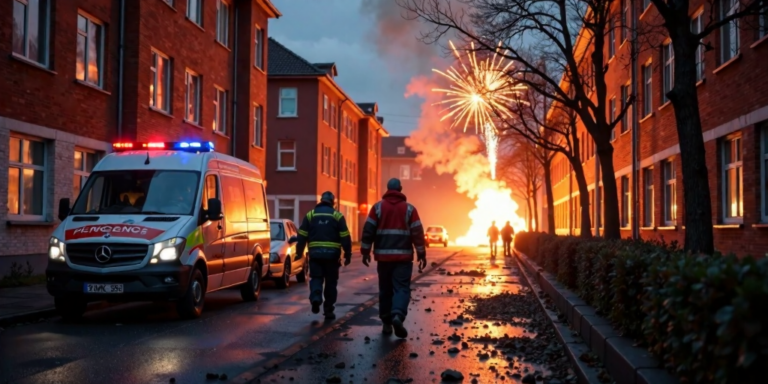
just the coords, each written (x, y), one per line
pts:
(479, 92)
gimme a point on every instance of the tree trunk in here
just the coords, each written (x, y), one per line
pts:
(535, 213)
(699, 235)
(611, 225)
(550, 199)
(528, 213)
(581, 182)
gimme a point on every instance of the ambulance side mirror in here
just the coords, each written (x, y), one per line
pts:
(63, 209)
(214, 212)
(293, 240)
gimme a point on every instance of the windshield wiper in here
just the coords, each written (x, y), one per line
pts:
(152, 213)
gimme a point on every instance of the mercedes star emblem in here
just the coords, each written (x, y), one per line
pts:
(103, 254)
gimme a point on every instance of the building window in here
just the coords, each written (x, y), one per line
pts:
(646, 4)
(729, 32)
(333, 115)
(670, 192)
(334, 165)
(668, 57)
(405, 172)
(220, 111)
(401, 150)
(647, 89)
(354, 173)
(258, 127)
(624, 19)
(326, 117)
(763, 22)
(696, 27)
(286, 155)
(30, 29)
(416, 173)
(344, 173)
(733, 193)
(648, 219)
(169, 2)
(764, 173)
(286, 209)
(625, 201)
(612, 111)
(195, 11)
(326, 168)
(26, 178)
(288, 100)
(160, 90)
(89, 50)
(611, 39)
(222, 22)
(192, 97)
(84, 162)
(258, 48)
(626, 118)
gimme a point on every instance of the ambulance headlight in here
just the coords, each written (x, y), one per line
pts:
(168, 250)
(56, 250)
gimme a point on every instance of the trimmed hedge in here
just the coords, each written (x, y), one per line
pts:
(705, 317)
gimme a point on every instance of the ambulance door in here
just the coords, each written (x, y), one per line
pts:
(213, 234)
(236, 255)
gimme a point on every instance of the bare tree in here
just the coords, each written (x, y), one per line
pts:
(569, 40)
(521, 169)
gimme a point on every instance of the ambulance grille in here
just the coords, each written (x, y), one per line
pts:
(122, 254)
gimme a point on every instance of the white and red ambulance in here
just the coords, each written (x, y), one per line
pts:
(161, 221)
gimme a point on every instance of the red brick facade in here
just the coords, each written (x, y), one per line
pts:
(733, 99)
(53, 103)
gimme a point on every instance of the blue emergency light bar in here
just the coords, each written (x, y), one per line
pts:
(187, 146)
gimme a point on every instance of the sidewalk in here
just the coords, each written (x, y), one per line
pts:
(450, 335)
(24, 302)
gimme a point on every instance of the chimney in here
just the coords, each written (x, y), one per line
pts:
(380, 119)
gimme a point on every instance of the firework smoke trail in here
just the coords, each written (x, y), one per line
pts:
(482, 91)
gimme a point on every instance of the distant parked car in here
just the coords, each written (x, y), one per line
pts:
(284, 262)
(436, 234)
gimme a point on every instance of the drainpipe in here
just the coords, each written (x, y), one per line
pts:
(120, 73)
(338, 150)
(234, 87)
(635, 133)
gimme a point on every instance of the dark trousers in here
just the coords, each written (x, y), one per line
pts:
(493, 247)
(323, 271)
(394, 289)
(507, 247)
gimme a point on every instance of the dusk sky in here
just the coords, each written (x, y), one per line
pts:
(373, 66)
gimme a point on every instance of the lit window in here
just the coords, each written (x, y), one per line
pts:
(258, 48)
(668, 57)
(670, 192)
(26, 178)
(286, 155)
(696, 27)
(732, 173)
(729, 32)
(160, 90)
(648, 219)
(84, 162)
(89, 50)
(258, 128)
(222, 22)
(287, 107)
(30, 29)
(192, 97)
(195, 11)
(625, 201)
(647, 89)
(220, 111)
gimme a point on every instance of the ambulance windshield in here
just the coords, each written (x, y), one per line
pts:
(157, 192)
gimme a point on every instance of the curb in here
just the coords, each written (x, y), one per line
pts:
(626, 363)
(252, 375)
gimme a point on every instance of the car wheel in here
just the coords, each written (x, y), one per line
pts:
(191, 305)
(70, 309)
(284, 280)
(304, 275)
(251, 289)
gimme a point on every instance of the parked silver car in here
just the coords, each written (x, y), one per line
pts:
(436, 234)
(284, 262)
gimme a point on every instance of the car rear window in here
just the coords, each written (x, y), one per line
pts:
(434, 230)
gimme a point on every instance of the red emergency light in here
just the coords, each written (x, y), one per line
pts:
(117, 146)
(186, 146)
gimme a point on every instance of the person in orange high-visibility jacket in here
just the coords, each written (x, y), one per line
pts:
(393, 230)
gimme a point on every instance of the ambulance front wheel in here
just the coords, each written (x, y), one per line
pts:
(191, 305)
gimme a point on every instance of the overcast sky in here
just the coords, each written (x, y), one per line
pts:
(346, 32)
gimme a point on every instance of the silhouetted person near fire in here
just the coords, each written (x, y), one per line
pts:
(493, 236)
(507, 232)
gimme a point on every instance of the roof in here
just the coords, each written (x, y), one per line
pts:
(390, 146)
(329, 68)
(275, 13)
(282, 61)
(369, 108)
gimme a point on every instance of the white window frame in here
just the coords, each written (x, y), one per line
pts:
(729, 31)
(295, 97)
(696, 26)
(416, 172)
(626, 199)
(189, 85)
(95, 23)
(290, 203)
(326, 111)
(222, 22)
(44, 9)
(258, 126)
(732, 142)
(668, 74)
(333, 116)
(220, 103)
(326, 162)
(763, 128)
(648, 89)
(405, 172)
(669, 173)
(197, 5)
(649, 218)
(280, 151)
(165, 77)
(258, 47)
(22, 166)
(82, 172)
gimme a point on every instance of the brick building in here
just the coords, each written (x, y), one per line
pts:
(321, 139)
(77, 76)
(733, 98)
(431, 193)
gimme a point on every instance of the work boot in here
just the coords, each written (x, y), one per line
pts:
(386, 329)
(397, 323)
(329, 315)
(315, 307)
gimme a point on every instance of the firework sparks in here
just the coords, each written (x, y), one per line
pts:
(479, 92)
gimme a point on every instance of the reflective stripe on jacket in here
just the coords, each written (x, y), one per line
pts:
(324, 231)
(393, 229)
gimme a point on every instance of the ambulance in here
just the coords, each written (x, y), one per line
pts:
(161, 221)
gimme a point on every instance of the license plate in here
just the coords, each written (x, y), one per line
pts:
(103, 288)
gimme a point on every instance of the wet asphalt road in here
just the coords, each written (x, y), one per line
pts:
(147, 343)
